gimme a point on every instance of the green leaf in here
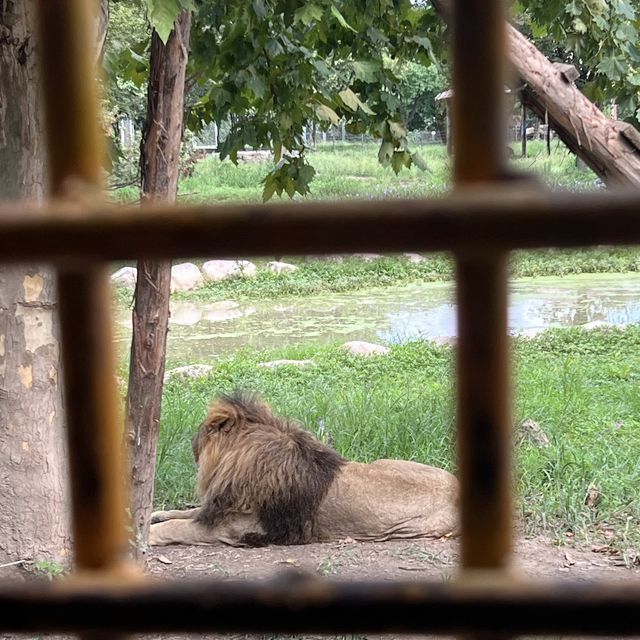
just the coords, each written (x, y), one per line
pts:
(398, 131)
(163, 13)
(353, 102)
(573, 8)
(614, 67)
(259, 9)
(326, 113)
(539, 30)
(365, 70)
(269, 189)
(349, 98)
(626, 10)
(425, 43)
(579, 26)
(273, 47)
(400, 159)
(307, 13)
(256, 83)
(385, 153)
(340, 18)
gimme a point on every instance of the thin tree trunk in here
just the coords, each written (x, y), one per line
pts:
(160, 154)
(611, 149)
(33, 480)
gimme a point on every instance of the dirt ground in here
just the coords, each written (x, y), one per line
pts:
(393, 560)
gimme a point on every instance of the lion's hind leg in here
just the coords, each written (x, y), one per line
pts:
(174, 514)
(180, 531)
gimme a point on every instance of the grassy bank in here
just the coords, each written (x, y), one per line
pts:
(581, 387)
(318, 276)
(315, 276)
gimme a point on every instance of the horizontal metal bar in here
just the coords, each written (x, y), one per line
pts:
(485, 218)
(299, 604)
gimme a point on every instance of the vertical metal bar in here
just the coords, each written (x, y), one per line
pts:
(97, 478)
(483, 378)
(484, 443)
(478, 78)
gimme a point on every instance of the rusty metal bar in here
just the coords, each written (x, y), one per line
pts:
(484, 446)
(492, 218)
(299, 604)
(97, 477)
(479, 56)
(68, 76)
(484, 441)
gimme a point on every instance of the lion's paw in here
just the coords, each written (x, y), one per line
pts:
(160, 516)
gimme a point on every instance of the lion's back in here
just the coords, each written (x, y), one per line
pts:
(389, 499)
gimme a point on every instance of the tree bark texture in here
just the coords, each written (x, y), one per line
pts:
(160, 155)
(610, 148)
(599, 141)
(33, 472)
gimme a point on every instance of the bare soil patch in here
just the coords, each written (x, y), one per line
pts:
(393, 560)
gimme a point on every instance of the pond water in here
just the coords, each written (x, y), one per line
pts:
(202, 331)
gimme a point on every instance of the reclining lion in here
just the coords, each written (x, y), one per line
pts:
(265, 480)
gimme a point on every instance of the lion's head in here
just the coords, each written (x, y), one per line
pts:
(250, 461)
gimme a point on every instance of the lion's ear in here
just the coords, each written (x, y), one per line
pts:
(224, 426)
(218, 423)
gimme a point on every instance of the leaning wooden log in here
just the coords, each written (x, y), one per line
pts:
(609, 147)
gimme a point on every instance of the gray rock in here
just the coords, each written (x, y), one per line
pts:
(362, 348)
(595, 324)
(185, 277)
(281, 267)
(367, 257)
(125, 277)
(218, 270)
(189, 371)
(533, 433)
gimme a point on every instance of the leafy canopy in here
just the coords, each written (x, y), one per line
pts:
(601, 38)
(271, 67)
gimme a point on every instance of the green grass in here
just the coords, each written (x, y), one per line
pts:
(346, 171)
(353, 171)
(581, 387)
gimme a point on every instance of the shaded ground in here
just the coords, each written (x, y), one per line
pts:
(394, 560)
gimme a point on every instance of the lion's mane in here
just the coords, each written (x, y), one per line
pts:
(252, 461)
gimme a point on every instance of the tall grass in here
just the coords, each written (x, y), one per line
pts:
(353, 171)
(581, 387)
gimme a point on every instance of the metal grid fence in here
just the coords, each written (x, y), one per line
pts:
(480, 223)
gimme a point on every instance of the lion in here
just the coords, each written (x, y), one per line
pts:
(266, 480)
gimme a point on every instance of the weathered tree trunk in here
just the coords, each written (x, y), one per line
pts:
(33, 479)
(160, 154)
(611, 149)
